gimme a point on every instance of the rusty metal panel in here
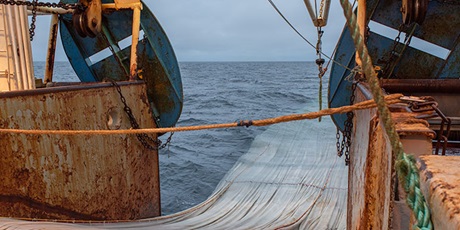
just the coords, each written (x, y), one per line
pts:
(378, 178)
(441, 188)
(87, 177)
(440, 27)
(371, 172)
(370, 177)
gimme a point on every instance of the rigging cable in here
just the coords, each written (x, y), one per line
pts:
(303, 37)
(320, 60)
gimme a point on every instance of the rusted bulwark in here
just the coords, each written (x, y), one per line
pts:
(371, 173)
(441, 187)
(369, 178)
(77, 177)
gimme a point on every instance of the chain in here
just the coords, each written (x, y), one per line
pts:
(34, 19)
(320, 61)
(340, 146)
(321, 7)
(392, 55)
(168, 141)
(343, 147)
(34, 4)
(143, 138)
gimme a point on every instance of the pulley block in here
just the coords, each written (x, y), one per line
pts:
(320, 61)
(421, 7)
(414, 11)
(88, 22)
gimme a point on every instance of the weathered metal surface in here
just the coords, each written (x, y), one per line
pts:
(77, 177)
(441, 28)
(426, 86)
(369, 181)
(446, 94)
(441, 187)
(413, 64)
(156, 59)
(49, 67)
(340, 90)
(371, 171)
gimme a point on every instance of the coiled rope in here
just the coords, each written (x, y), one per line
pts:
(391, 99)
(405, 165)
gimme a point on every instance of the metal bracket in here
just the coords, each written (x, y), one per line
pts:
(424, 104)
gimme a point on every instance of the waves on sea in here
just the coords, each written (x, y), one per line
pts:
(217, 92)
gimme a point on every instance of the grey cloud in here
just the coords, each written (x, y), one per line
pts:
(237, 30)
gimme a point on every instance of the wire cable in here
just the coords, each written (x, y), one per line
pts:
(303, 37)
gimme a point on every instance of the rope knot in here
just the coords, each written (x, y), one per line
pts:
(246, 123)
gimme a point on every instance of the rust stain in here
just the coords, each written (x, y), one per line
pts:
(443, 188)
(52, 50)
(49, 211)
(86, 177)
(407, 124)
(423, 168)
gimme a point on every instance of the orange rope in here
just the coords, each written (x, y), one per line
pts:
(390, 99)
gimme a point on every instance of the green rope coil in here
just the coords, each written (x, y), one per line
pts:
(409, 176)
(405, 165)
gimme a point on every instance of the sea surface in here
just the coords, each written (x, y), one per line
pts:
(222, 92)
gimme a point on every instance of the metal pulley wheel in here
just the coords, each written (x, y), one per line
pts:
(407, 10)
(421, 7)
(414, 11)
(78, 21)
(88, 23)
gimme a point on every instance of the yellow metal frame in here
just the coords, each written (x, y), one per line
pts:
(136, 6)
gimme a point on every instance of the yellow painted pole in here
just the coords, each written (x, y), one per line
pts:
(135, 40)
(362, 25)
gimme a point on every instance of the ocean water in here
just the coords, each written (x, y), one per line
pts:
(221, 92)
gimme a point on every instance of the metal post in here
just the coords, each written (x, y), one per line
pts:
(135, 40)
(21, 34)
(362, 25)
(26, 43)
(51, 49)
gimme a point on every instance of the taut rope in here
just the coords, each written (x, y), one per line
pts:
(391, 99)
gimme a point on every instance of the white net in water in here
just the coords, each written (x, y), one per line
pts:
(290, 178)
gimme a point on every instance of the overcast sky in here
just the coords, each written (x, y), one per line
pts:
(230, 30)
